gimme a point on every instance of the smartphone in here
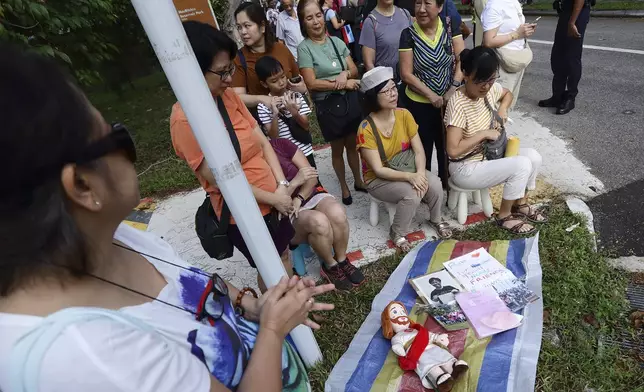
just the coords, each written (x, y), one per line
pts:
(536, 20)
(296, 79)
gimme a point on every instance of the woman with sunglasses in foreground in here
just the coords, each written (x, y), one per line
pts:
(65, 257)
(470, 122)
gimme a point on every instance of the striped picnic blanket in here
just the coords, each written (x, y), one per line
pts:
(506, 362)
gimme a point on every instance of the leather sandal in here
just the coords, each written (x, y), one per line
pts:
(532, 215)
(516, 229)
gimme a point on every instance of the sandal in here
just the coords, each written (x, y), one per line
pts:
(402, 244)
(516, 229)
(443, 229)
(532, 215)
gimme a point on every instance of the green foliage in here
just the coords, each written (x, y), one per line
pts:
(84, 34)
(145, 109)
(585, 304)
(70, 30)
(577, 282)
(220, 8)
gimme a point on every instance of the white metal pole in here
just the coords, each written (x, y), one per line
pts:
(165, 32)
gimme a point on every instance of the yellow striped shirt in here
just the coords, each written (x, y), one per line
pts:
(471, 115)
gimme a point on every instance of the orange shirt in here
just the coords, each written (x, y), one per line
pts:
(255, 167)
(249, 79)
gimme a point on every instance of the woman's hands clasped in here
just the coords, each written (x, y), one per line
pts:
(419, 182)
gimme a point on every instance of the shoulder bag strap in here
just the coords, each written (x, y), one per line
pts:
(335, 49)
(450, 42)
(495, 114)
(381, 148)
(224, 220)
(244, 64)
(375, 21)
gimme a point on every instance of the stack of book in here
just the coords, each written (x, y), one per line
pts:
(476, 291)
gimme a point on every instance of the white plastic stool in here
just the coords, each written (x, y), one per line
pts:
(374, 211)
(458, 198)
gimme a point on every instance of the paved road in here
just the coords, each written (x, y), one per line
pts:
(610, 142)
(600, 132)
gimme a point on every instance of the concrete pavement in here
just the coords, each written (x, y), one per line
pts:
(173, 218)
(605, 130)
(596, 148)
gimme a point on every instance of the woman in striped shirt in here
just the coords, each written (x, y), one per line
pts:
(470, 122)
(429, 51)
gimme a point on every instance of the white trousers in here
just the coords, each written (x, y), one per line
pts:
(516, 173)
(511, 81)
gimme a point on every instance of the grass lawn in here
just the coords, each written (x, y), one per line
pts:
(145, 110)
(584, 300)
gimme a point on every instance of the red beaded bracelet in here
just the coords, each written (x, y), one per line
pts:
(240, 296)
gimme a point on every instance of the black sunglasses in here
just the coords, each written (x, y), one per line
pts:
(213, 300)
(119, 139)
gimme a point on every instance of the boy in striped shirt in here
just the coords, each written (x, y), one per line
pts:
(290, 105)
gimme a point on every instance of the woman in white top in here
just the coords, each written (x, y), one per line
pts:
(471, 121)
(505, 31)
(164, 325)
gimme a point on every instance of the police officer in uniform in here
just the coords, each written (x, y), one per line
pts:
(565, 59)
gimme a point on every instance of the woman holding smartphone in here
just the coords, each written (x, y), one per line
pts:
(259, 41)
(506, 31)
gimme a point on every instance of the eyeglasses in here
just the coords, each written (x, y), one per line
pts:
(213, 300)
(390, 92)
(118, 139)
(224, 74)
(489, 81)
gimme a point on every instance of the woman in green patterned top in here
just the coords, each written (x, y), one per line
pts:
(328, 70)
(429, 57)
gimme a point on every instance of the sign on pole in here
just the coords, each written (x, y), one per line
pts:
(199, 10)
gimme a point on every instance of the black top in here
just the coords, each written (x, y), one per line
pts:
(438, 292)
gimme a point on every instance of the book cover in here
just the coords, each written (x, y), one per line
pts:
(438, 291)
(478, 270)
(487, 313)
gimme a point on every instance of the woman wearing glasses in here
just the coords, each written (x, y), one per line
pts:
(470, 122)
(121, 310)
(259, 41)
(215, 52)
(385, 136)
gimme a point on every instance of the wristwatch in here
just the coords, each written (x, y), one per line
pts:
(285, 183)
(456, 84)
